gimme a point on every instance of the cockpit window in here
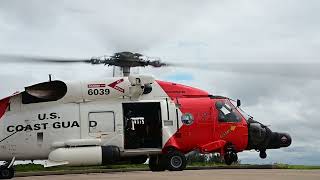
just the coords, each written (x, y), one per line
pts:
(44, 92)
(227, 112)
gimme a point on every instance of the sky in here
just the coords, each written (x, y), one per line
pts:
(264, 52)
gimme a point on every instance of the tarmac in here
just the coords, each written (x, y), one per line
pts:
(209, 174)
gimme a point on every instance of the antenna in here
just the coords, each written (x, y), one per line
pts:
(50, 78)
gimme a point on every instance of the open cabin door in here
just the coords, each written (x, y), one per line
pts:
(142, 125)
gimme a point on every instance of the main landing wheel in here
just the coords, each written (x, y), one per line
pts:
(176, 161)
(6, 173)
(157, 163)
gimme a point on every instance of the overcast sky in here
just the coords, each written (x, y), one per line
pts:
(264, 52)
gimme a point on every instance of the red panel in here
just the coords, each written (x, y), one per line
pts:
(201, 131)
(4, 103)
(234, 132)
(213, 146)
(205, 133)
(178, 90)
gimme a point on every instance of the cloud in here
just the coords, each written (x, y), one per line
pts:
(256, 31)
(265, 53)
(128, 25)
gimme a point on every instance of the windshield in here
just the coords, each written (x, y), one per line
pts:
(242, 112)
(227, 111)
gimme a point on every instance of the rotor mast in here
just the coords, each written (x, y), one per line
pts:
(126, 71)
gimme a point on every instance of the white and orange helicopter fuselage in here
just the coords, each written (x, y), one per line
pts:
(106, 121)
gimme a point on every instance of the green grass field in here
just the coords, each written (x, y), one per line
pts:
(285, 166)
(37, 167)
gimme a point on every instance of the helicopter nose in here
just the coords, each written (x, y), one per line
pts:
(262, 138)
(279, 140)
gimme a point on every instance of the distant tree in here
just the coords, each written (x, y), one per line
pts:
(215, 158)
(212, 158)
(196, 157)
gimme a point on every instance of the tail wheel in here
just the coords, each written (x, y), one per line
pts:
(234, 157)
(176, 161)
(230, 157)
(263, 154)
(157, 163)
(6, 173)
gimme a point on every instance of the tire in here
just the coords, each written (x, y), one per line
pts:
(157, 163)
(6, 173)
(176, 161)
(228, 158)
(263, 154)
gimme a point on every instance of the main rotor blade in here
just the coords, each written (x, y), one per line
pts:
(296, 70)
(40, 59)
(157, 64)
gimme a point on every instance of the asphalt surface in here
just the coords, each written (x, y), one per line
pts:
(226, 174)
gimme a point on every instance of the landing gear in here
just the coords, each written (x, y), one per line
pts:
(230, 157)
(6, 173)
(172, 161)
(157, 163)
(176, 161)
(263, 154)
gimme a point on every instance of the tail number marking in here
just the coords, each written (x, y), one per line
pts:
(97, 92)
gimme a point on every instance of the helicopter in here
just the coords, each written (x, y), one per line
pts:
(127, 118)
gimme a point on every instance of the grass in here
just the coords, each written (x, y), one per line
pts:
(38, 167)
(302, 167)
(286, 166)
(206, 164)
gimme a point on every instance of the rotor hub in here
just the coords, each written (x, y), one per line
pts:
(125, 60)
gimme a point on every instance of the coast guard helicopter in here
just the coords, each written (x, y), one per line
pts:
(133, 117)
